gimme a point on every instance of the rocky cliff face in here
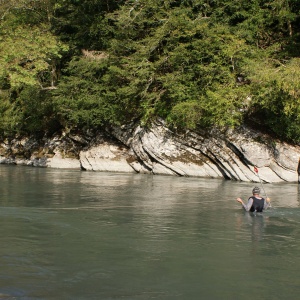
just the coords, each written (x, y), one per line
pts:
(158, 150)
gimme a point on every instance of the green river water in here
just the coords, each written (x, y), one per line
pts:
(86, 235)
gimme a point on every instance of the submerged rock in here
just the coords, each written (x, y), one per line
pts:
(158, 150)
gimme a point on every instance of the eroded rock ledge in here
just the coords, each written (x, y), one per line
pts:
(158, 150)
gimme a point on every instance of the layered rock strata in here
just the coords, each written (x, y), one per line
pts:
(158, 150)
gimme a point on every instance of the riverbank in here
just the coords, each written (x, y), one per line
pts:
(158, 150)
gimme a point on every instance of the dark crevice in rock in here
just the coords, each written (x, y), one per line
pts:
(141, 162)
(239, 154)
(220, 166)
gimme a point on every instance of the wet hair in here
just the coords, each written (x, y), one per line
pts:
(256, 190)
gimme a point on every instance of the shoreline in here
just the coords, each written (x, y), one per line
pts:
(158, 150)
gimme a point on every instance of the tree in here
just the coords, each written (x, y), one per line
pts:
(172, 54)
(196, 63)
(82, 24)
(28, 56)
(276, 97)
(29, 51)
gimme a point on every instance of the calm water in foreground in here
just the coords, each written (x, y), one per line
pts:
(84, 235)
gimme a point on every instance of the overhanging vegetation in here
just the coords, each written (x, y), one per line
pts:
(197, 63)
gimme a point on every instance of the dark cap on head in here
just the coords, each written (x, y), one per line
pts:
(256, 190)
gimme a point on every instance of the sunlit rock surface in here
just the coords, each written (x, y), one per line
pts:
(60, 162)
(106, 157)
(156, 149)
(231, 155)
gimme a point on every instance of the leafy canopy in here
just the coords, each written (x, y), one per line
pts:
(196, 63)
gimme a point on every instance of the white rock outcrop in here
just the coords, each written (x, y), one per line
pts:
(231, 155)
(60, 162)
(106, 157)
(158, 150)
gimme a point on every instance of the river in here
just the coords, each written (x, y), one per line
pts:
(88, 235)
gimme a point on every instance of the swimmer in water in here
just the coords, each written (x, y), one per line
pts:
(255, 202)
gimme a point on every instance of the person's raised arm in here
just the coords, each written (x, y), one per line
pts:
(267, 203)
(246, 206)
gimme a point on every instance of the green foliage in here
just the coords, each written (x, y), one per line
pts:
(276, 97)
(82, 24)
(29, 112)
(27, 53)
(196, 63)
(10, 116)
(219, 108)
(176, 62)
(82, 99)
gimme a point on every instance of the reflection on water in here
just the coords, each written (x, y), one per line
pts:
(85, 235)
(257, 222)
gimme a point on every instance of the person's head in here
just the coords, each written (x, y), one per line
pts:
(256, 191)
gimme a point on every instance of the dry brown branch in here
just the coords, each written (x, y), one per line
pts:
(93, 54)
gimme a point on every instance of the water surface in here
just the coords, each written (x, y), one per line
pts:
(85, 235)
